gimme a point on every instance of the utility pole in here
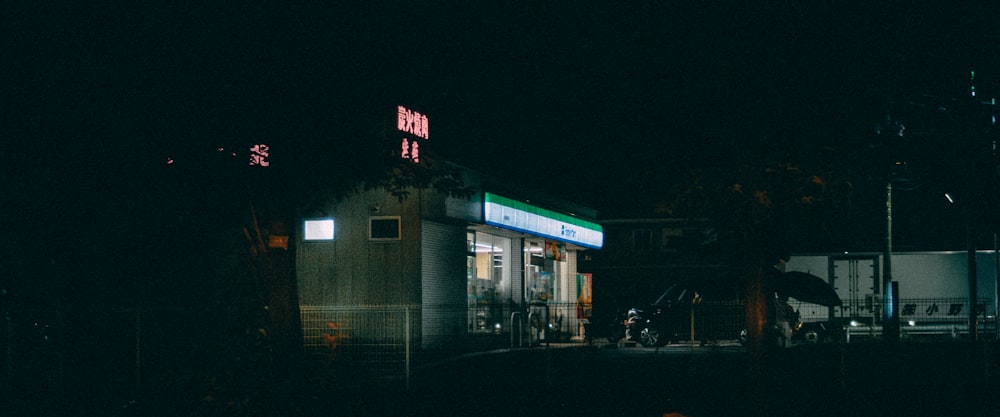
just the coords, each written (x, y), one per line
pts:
(890, 317)
(969, 233)
(995, 176)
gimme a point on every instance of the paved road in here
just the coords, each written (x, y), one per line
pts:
(834, 380)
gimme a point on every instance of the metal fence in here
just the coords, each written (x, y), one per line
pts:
(388, 340)
(131, 350)
(373, 335)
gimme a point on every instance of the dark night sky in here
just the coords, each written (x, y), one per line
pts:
(608, 104)
(534, 87)
(603, 103)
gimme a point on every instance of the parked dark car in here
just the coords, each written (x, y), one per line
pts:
(666, 318)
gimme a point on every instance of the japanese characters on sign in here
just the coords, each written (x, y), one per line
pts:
(411, 122)
(410, 150)
(259, 154)
(415, 124)
(933, 310)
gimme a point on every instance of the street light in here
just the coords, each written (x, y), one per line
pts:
(890, 317)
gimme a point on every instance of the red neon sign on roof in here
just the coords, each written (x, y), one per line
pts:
(412, 122)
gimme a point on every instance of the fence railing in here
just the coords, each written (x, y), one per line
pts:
(139, 349)
(923, 319)
(388, 340)
(389, 337)
(370, 334)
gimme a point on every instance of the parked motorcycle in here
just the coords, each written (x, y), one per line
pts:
(634, 324)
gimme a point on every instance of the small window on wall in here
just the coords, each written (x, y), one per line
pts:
(383, 228)
(318, 230)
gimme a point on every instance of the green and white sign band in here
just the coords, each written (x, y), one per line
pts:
(514, 215)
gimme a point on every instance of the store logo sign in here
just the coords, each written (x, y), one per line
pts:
(515, 215)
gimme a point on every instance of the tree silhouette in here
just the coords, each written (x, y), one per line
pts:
(772, 202)
(243, 219)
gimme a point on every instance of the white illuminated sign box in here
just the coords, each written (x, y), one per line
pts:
(515, 215)
(320, 229)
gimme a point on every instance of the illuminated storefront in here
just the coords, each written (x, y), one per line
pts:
(523, 260)
(484, 265)
(459, 267)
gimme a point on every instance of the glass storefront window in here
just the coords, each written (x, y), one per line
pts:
(544, 274)
(551, 289)
(489, 281)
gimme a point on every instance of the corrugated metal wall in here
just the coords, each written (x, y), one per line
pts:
(443, 284)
